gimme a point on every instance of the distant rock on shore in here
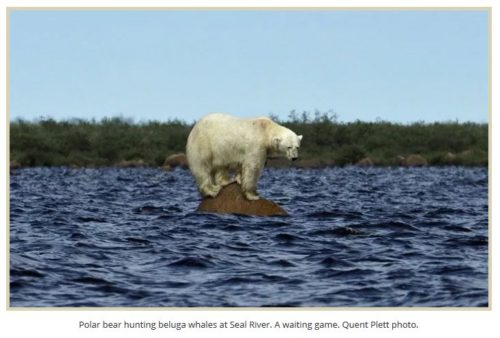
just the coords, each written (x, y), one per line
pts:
(175, 160)
(301, 163)
(365, 162)
(131, 164)
(14, 165)
(415, 161)
(230, 200)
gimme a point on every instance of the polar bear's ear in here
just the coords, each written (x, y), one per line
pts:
(276, 142)
(300, 138)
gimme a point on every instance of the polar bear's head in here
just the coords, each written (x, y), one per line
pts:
(287, 143)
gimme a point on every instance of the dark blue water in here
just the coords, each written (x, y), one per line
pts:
(355, 237)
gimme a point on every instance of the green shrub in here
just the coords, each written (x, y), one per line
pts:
(47, 142)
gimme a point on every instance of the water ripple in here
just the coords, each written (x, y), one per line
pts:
(354, 237)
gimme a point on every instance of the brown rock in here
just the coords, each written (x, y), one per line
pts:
(131, 164)
(467, 153)
(230, 200)
(366, 162)
(398, 160)
(166, 167)
(415, 161)
(176, 160)
(14, 164)
(450, 158)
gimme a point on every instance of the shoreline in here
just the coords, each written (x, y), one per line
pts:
(298, 167)
(327, 143)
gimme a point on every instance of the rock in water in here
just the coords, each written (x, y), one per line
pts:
(415, 161)
(177, 160)
(230, 200)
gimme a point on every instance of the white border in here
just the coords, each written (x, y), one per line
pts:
(65, 323)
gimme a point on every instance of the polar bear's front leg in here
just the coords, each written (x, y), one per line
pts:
(250, 175)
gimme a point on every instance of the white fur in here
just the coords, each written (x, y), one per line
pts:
(220, 144)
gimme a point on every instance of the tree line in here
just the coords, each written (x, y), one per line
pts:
(110, 141)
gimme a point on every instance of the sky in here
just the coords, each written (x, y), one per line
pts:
(398, 66)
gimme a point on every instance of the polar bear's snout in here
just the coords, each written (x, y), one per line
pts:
(292, 153)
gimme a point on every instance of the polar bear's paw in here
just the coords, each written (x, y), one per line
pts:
(238, 179)
(211, 191)
(251, 196)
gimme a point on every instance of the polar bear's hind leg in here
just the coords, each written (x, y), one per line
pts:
(204, 179)
(209, 190)
(222, 177)
(206, 185)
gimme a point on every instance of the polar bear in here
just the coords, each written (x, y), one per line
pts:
(219, 144)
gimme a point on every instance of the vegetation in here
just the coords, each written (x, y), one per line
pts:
(104, 143)
(47, 142)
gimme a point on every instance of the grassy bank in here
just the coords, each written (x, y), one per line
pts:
(326, 141)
